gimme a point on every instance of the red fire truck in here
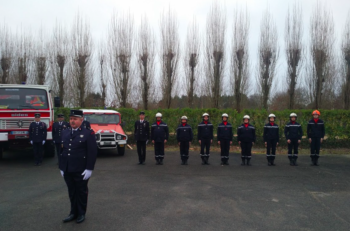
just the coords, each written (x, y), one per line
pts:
(18, 104)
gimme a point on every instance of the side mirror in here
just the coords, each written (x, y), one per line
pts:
(57, 101)
(122, 124)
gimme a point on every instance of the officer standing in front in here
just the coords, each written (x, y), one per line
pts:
(77, 162)
(271, 139)
(224, 135)
(184, 136)
(37, 137)
(57, 129)
(246, 138)
(141, 132)
(315, 133)
(160, 135)
(205, 138)
(293, 133)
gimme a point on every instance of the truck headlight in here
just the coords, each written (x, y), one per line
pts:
(118, 137)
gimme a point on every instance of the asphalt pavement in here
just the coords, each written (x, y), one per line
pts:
(127, 196)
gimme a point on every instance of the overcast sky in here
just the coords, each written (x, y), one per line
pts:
(32, 14)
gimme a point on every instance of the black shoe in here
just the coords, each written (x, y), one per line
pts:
(222, 163)
(269, 163)
(157, 163)
(182, 162)
(243, 162)
(80, 218)
(295, 162)
(226, 163)
(248, 162)
(143, 163)
(69, 218)
(186, 162)
(273, 163)
(139, 163)
(291, 162)
(161, 162)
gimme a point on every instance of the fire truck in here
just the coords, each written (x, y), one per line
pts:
(18, 104)
(108, 130)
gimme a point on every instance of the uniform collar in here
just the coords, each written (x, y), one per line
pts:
(246, 125)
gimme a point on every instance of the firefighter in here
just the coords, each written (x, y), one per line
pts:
(205, 138)
(246, 138)
(315, 134)
(184, 137)
(77, 161)
(271, 139)
(37, 137)
(141, 136)
(293, 133)
(86, 124)
(224, 135)
(57, 129)
(159, 135)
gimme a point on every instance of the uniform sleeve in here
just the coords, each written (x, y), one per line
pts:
(286, 132)
(135, 129)
(177, 134)
(218, 133)
(300, 132)
(53, 131)
(231, 133)
(199, 132)
(238, 135)
(30, 132)
(91, 150)
(45, 131)
(308, 130)
(147, 130)
(212, 132)
(323, 131)
(278, 134)
(166, 132)
(191, 135)
(254, 136)
(152, 133)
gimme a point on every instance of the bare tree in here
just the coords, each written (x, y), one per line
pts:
(268, 56)
(120, 48)
(169, 54)
(346, 62)
(41, 57)
(321, 51)
(59, 58)
(294, 49)
(191, 60)
(102, 66)
(24, 47)
(82, 55)
(146, 59)
(6, 53)
(215, 51)
(240, 56)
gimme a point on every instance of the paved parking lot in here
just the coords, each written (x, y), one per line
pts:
(126, 196)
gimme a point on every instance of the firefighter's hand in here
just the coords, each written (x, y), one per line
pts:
(239, 142)
(200, 142)
(253, 143)
(277, 144)
(62, 173)
(152, 141)
(299, 141)
(31, 142)
(218, 142)
(288, 141)
(321, 140)
(43, 142)
(230, 142)
(310, 140)
(211, 141)
(87, 174)
(165, 141)
(190, 143)
(265, 144)
(179, 143)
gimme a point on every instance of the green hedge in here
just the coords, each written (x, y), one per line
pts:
(337, 122)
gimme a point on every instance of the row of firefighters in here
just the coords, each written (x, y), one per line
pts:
(245, 135)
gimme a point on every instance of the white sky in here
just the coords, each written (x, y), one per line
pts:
(32, 14)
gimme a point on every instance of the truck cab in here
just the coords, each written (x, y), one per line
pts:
(108, 130)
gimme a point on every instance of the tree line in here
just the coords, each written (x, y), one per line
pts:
(143, 66)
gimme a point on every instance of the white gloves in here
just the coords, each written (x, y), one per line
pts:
(43, 142)
(86, 174)
(31, 142)
(62, 173)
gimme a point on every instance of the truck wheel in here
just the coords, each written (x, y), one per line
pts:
(49, 149)
(121, 150)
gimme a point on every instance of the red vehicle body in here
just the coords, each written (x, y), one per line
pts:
(18, 104)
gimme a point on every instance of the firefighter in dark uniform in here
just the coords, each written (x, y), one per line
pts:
(293, 133)
(77, 162)
(184, 137)
(205, 138)
(315, 133)
(271, 139)
(37, 137)
(57, 129)
(224, 135)
(160, 135)
(86, 123)
(246, 138)
(141, 137)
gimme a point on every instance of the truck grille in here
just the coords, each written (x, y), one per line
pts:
(107, 137)
(10, 124)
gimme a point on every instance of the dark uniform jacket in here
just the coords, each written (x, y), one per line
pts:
(160, 132)
(315, 130)
(37, 132)
(184, 133)
(293, 131)
(271, 132)
(205, 131)
(224, 132)
(79, 150)
(141, 130)
(57, 131)
(86, 124)
(246, 134)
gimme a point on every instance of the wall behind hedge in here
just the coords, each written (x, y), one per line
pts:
(337, 122)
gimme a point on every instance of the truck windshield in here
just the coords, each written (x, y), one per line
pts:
(23, 98)
(102, 118)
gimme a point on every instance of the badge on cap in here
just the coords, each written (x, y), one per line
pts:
(81, 136)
